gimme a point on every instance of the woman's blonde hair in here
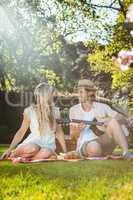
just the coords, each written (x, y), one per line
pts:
(44, 106)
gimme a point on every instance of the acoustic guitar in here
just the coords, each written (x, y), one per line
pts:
(93, 124)
(97, 127)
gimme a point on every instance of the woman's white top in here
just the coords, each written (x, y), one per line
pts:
(47, 138)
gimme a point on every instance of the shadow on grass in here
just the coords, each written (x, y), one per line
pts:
(69, 170)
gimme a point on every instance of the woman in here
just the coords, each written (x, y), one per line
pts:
(41, 118)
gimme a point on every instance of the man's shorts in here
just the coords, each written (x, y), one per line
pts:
(82, 151)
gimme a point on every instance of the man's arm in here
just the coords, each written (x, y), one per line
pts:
(115, 114)
(121, 119)
(75, 130)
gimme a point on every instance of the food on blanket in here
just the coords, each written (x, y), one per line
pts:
(97, 158)
(53, 157)
(72, 155)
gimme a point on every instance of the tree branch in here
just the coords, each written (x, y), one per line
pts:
(104, 6)
(72, 32)
(122, 7)
(112, 3)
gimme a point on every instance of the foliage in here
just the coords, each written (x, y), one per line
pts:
(50, 76)
(37, 38)
(34, 44)
(101, 59)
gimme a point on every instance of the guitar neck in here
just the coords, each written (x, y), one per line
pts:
(87, 122)
(80, 121)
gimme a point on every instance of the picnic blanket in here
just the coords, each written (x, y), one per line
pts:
(61, 158)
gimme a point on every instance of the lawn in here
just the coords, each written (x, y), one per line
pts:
(87, 180)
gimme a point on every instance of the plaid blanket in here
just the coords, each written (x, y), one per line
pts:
(61, 158)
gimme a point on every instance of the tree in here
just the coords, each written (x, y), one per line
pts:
(32, 47)
(101, 60)
(38, 41)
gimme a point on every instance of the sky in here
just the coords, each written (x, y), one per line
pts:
(107, 15)
(93, 29)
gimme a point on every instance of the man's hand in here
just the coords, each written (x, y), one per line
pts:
(78, 127)
(130, 121)
(6, 154)
(106, 122)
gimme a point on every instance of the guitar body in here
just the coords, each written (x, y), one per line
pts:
(98, 130)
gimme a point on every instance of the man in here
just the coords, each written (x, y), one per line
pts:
(88, 143)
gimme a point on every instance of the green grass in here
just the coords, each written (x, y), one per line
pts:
(89, 180)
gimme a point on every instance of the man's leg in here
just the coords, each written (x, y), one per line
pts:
(92, 148)
(107, 144)
(114, 136)
(115, 133)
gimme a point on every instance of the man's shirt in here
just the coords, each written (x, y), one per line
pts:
(98, 111)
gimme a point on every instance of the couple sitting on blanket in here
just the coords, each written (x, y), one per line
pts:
(41, 118)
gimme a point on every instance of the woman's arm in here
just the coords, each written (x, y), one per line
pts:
(61, 138)
(18, 136)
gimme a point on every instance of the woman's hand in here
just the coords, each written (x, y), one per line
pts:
(18, 136)
(6, 154)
